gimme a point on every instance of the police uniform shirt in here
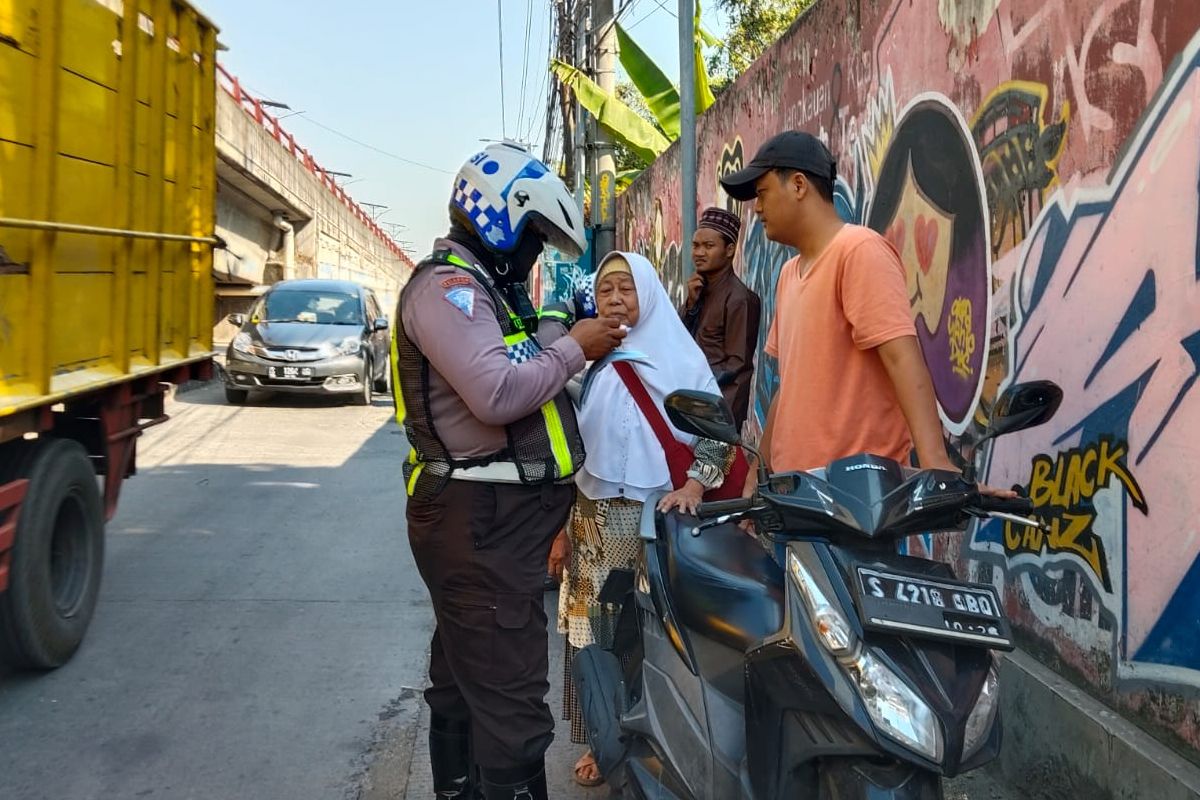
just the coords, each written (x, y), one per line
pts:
(474, 388)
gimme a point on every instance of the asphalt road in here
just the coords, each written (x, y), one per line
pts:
(262, 632)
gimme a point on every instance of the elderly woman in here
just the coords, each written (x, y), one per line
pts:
(625, 463)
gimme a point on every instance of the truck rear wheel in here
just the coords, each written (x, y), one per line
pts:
(57, 558)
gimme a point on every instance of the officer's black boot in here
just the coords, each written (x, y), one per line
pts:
(520, 783)
(450, 757)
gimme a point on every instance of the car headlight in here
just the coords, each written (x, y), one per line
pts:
(831, 625)
(349, 346)
(895, 708)
(979, 724)
(243, 344)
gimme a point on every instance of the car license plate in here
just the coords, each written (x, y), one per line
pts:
(290, 373)
(917, 605)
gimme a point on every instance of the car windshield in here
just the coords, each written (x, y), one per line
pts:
(322, 308)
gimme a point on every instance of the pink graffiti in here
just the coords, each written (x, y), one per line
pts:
(1055, 21)
(1112, 335)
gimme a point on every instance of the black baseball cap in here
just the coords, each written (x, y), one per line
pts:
(787, 150)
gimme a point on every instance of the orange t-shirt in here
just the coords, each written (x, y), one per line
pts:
(835, 398)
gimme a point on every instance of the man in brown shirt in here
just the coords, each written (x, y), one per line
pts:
(721, 312)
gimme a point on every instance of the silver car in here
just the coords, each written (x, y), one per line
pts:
(310, 336)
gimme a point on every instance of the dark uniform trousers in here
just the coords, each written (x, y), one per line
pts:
(481, 549)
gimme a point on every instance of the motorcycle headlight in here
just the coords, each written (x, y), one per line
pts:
(895, 708)
(243, 344)
(983, 716)
(349, 346)
(831, 625)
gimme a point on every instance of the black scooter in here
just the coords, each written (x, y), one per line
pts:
(812, 661)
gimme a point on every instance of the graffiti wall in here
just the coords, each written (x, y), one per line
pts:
(1037, 165)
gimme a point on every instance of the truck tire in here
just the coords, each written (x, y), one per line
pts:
(57, 558)
(236, 397)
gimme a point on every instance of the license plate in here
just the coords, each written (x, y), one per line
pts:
(290, 373)
(916, 605)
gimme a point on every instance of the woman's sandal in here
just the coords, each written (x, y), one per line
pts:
(582, 769)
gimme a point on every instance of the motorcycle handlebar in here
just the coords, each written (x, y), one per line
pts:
(716, 508)
(1017, 506)
(1021, 506)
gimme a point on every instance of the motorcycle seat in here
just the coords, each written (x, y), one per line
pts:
(723, 584)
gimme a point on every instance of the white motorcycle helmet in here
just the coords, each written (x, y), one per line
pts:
(503, 189)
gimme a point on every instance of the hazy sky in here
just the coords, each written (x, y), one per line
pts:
(411, 81)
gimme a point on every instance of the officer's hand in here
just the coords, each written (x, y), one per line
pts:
(598, 337)
(695, 285)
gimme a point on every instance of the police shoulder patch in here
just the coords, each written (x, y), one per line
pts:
(457, 280)
(462, 298)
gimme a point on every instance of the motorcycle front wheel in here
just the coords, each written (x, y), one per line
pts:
(856, 779)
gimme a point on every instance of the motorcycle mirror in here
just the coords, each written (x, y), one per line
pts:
(237, 319)
(1022, 406)
(959, 454)
(702, 414)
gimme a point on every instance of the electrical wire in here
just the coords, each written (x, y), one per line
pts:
(625, 9)
(643, 18)
(664, 7)
(301, 116)
(500, 36)
(382, 152)
(536, 120)
(622, 11)
(524, 68)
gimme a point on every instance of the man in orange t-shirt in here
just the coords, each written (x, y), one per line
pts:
(852, 376)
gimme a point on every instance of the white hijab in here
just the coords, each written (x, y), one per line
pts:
(631, 457)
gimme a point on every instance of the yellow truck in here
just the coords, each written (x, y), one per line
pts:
(107, 193)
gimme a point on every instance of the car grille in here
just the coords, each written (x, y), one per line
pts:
(292, 355)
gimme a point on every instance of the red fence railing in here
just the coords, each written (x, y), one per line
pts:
(252, 106)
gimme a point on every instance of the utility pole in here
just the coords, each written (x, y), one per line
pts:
(604, 186)
(687, 122)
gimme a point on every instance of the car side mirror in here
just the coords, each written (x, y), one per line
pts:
(381, 324)
(237, 319)
(702, 414)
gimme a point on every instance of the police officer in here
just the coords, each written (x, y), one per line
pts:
(494, 445)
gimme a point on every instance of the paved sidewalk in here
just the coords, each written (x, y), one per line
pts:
(561, 758)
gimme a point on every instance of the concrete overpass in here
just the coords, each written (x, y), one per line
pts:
(283, 215)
